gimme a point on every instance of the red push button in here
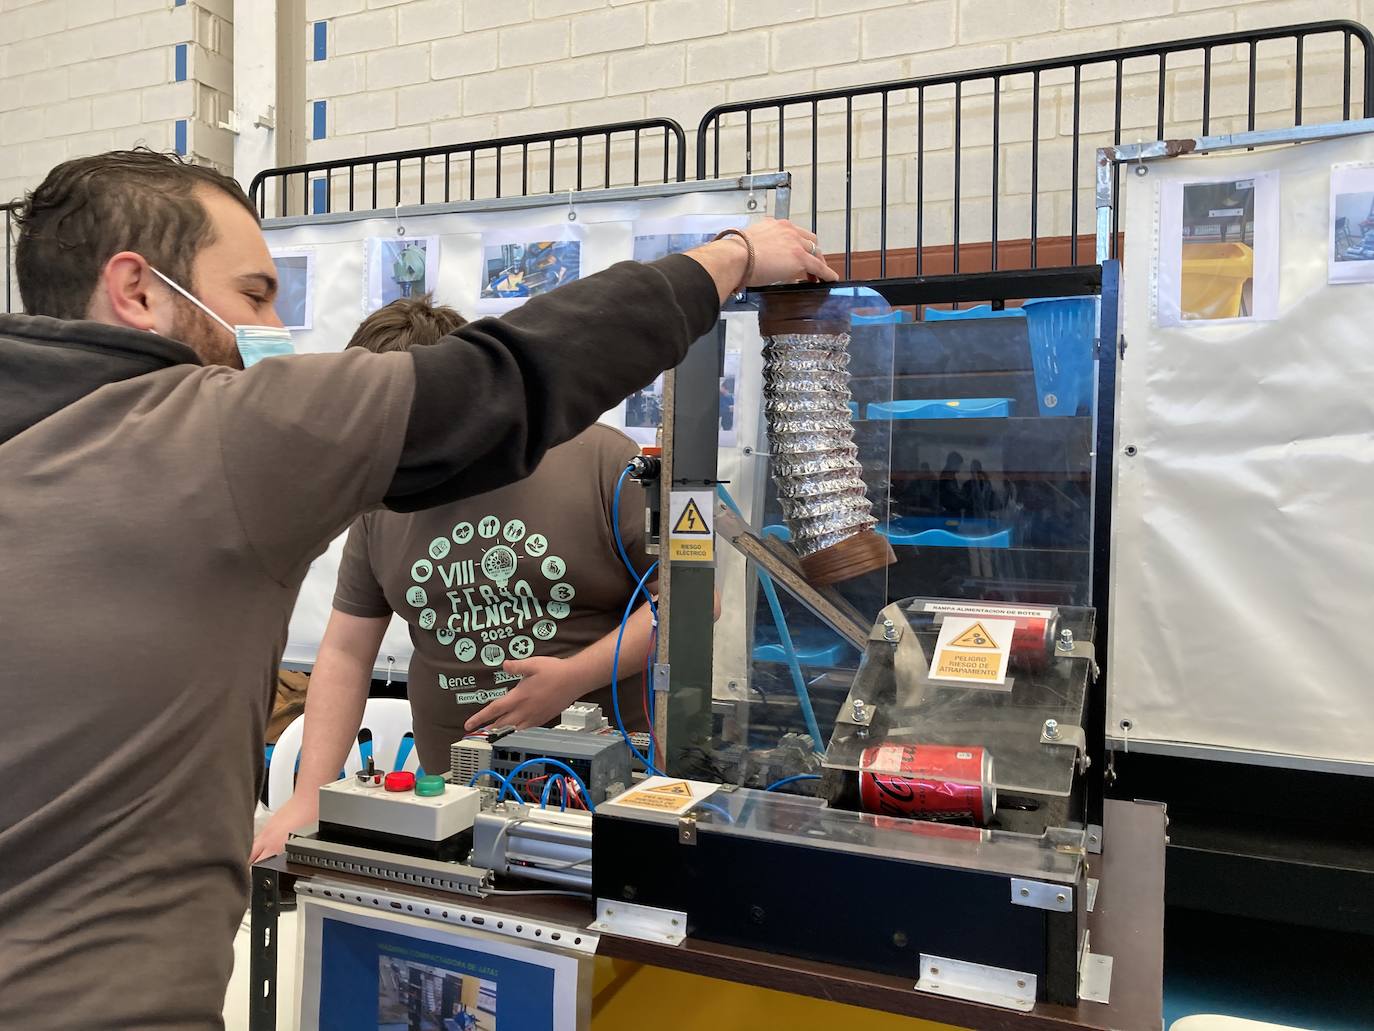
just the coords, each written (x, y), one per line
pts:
(402, 780)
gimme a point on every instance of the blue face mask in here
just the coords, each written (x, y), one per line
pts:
(254, 342)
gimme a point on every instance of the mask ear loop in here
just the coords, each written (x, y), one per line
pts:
(193, 299)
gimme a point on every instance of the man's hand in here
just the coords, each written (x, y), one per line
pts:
(298, 812)
(783, 253)
(548, 687)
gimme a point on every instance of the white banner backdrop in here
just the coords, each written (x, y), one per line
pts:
(339, 297)
(1242, 565)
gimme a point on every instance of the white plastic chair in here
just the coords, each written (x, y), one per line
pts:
(388, 720)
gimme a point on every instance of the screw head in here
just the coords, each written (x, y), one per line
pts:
(934, 971)
(1061, 897)
(1020, 984)
(899, 939)
(1051, 729)
(1131, 450)
(1025, 893)
(1141, 170)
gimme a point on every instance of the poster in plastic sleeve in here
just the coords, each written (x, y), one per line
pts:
(1219, 247)
(392, 973)
(399, 267)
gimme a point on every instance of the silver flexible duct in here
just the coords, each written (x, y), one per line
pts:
(811, 438)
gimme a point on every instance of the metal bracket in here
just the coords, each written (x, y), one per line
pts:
(506, 924)
(1093, 885)
(644, 923)
(1010, 989)
(687, 830)
(1094, 977)
(1052, 733)
(1041, 895)
(1095, 838)
(308, 850)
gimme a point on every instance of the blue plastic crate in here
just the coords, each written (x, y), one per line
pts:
(942, 408)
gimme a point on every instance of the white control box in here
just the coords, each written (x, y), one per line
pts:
(367, 806)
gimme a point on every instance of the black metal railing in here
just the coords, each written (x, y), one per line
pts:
(632, 153)
(11, 298)
(983, 151)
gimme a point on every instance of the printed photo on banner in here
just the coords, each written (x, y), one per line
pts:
(400, 266)
(651, 248)
(419, 997)
(659, 237)
(1219, 250)
(1352, 224)
(644, 408)
(295, 303)
(524, 264)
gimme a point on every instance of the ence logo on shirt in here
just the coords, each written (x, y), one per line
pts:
(492, 591)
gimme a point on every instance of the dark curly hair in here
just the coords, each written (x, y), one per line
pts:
(89, 209)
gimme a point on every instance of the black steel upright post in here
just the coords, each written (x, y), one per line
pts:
(262, 956)
(693, 438)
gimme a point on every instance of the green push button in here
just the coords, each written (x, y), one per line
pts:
(429, 785)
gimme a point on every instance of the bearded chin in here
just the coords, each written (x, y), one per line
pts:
(211, 341)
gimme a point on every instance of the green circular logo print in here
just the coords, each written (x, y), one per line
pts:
(445, 636)
(559, 609)
(499, 564)
(439, 548)
(562, 592)
(417, 597)
(554, 568)
(536, 545)
(462, 533)
(489, 527)
(465, 650)
(422, 571)
(545, 629)
(493, 655)
(427, 619)
(521, 647)
(514, 531)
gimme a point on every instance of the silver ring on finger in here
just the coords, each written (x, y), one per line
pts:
(811, 249)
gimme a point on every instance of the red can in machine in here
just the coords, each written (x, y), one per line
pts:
(928, 782)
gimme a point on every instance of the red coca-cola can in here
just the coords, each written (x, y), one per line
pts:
(928, 782)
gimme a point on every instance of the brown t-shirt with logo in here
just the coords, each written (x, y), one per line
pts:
(526, 570)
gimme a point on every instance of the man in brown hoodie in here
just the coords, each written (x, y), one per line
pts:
(159, 506)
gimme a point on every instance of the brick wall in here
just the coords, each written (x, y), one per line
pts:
(82, 76)
(381, 75)
(420, 72)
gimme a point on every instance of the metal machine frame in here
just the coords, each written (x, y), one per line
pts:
(685, 602)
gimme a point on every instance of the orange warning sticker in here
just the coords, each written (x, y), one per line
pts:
(975, 637)
(677, 787)
(650, 800)
(664, 795)
(968, 666)
(973, 650)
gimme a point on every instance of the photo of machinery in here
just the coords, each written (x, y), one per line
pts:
(418, 997)
(529, 269)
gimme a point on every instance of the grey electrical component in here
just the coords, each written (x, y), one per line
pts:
(582, 716)
(467, 758)
(602, 760)
(541, 844)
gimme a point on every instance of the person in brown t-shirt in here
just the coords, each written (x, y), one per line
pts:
(513, 599)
